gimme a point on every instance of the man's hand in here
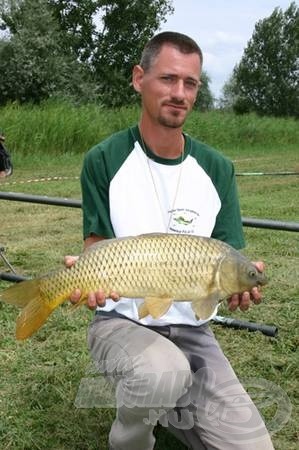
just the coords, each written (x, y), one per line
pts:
(244, 300)
(94, 299)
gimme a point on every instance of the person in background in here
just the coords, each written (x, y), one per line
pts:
(5, 160)
(153, 177)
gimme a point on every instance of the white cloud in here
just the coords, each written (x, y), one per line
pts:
(224, 37)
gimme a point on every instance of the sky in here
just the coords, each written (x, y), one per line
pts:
(222, 28)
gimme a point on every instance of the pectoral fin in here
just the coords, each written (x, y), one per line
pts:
(142, 311)
(155, 306)
(205, 307)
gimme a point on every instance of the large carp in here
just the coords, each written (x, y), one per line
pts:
(161, 268)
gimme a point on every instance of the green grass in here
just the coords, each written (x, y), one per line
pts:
(56, 128)
(40, 377)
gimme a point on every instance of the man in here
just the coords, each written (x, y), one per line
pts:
(5, 162)
(154, 178)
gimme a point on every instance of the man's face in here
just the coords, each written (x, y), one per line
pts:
(169, 88)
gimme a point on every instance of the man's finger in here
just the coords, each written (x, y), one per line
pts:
(100, 297)
(70, 260)
(75, 296)
(91, 300)
(233, 302)
(256, 295)
(245, 301)
(114, 296)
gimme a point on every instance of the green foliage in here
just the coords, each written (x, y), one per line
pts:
(205, 100)
(126, 27)
(266, 80)
(33, 65)
(57, 128)
(228, 96)
(76, 20)
(54, 48)
(60, 127)
(77, 50)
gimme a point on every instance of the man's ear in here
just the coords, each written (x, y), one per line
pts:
(137, 77)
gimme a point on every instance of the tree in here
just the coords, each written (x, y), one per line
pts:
(115, 46)
(81, 48)
(107, 51)
(126, 27)
(228, 94)
(205, 99)
(266, 80)
(110, 35)
(77, 24)
(33, 66)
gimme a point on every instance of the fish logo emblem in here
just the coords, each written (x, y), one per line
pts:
(182, 221)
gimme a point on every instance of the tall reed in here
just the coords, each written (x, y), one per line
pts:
(59, 127)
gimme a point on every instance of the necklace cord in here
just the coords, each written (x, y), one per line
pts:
(170, 212)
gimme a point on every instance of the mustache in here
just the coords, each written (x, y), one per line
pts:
(175, 101)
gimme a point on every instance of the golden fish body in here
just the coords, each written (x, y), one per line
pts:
(161, 268)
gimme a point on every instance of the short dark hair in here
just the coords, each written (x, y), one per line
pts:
(181, 41)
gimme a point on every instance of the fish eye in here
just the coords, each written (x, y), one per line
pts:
(252, 274)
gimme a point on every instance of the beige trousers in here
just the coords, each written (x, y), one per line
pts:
(177, 376)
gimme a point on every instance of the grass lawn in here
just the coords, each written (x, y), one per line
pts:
(40, 377)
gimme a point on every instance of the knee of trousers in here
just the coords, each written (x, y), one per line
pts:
(157, 380)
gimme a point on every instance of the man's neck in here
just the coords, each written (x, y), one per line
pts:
(163, 141)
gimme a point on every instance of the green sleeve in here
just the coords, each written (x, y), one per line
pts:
(228, 227)
(95, 195)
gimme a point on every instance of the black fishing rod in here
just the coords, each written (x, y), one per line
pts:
(12, 277)
(268, 330)
(248, 174)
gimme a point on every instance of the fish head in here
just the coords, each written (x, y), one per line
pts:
(238, 274)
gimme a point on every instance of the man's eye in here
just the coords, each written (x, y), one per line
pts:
(191, 84)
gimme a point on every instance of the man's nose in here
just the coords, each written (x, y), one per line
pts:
(178, 89)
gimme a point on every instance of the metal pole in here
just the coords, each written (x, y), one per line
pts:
(270, 224)
(43, 199)
(59, 201)
(14, 278)
(246, 174)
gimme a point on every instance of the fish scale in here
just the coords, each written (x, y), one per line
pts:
(161, 268)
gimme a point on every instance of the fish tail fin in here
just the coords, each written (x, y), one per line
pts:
(32, 317)
(27, 295)
(32, 296)
(20, 294)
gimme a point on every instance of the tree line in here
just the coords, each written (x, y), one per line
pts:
(266, 80)
(78, 50)
(85, 51)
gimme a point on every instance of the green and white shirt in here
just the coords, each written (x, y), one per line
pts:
(127, 191)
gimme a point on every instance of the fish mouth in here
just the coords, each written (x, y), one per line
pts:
(262, 281)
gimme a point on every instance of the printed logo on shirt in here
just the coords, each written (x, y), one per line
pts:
(183, 220)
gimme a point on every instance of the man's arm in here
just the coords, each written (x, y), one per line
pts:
(92, 240)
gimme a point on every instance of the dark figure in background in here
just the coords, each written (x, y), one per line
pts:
(5, 159)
